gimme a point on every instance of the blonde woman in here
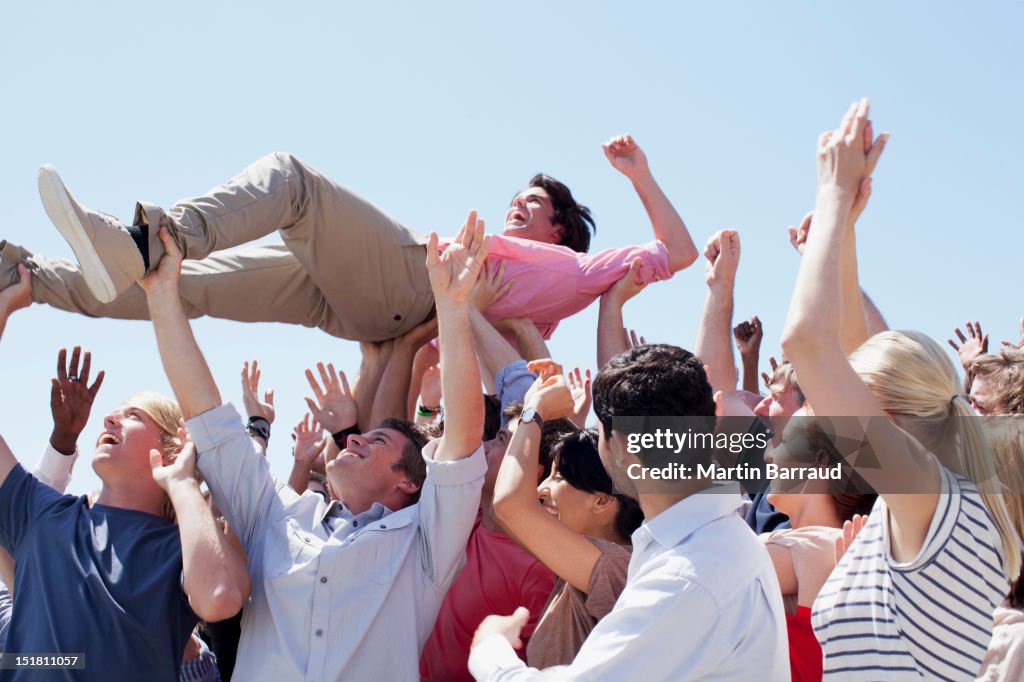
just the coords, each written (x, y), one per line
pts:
(914, 594)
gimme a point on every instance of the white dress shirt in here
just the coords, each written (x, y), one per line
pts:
(701, 602)
(336, 596)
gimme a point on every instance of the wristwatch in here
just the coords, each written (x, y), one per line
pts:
(530, 414)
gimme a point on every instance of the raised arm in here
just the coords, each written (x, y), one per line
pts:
(748, 337)
(393, 390)
(567, 553)
(611, 331)
(626, 157)
(452, 275)
(260, 413)
(15, 297)
(714, 345)
(12, 298)
(184, 363)
(811, 340)
(213, 574)
(334, 407)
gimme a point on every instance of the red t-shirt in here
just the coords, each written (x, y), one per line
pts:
(805, 658)
(499, 576)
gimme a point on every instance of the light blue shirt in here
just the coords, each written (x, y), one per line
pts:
(701, 602)
(336, 596)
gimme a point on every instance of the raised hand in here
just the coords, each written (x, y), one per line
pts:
(627, 287)
(309, 440)
(748, 336)
(972, 345)
(845, 161)
(454, 272)
(182, 469)
(251, 391)
(551, 397)
(774, 364)
(1020, 344)
(545, 369)
(635, 340)
(626, 156)
(798, 235)
(71, 399)
(334, 409)
(581, 397)
(491, 286)
(722, 254)
(850, 530)
(168, 273)
(18, 295)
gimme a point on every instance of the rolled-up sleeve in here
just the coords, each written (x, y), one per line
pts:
(237, 474)
(605, 268)
(511, 383)
(448, 505)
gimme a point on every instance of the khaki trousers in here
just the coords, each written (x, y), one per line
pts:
(346, 267)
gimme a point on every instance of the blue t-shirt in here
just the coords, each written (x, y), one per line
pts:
(101, 581)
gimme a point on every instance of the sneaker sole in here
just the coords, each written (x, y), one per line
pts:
(59, 206)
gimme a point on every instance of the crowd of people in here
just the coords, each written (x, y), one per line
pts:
(456, 513)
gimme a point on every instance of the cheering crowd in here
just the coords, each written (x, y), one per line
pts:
(456, 513)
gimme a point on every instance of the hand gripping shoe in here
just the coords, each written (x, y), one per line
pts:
(107, 254)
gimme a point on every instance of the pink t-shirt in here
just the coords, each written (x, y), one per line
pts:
(499, 576)
(554, 282)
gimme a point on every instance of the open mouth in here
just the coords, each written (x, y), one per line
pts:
(517, 216)
(353, 454)
(108, 439)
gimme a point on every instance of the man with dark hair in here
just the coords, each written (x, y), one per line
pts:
(349, 589)
(698, 578)
(573, 219)
(345, 266)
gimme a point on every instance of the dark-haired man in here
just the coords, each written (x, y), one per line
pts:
(347, 590)
(345, 266)
(702, 600)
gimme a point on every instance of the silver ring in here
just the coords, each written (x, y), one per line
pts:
(73, 377)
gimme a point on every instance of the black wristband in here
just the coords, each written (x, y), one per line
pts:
(341, 437)
(258, 427)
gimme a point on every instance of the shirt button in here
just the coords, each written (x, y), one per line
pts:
(319, 633)
(324, 579)
(306, 538)
(355, 522)
(398, 318)
(383, 526)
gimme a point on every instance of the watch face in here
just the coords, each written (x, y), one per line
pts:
(529, 414)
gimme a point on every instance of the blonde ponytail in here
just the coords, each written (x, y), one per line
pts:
(916, 384)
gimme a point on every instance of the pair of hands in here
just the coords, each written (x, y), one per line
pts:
(555, 397)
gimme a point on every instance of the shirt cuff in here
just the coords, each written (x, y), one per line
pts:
(492, 656)
(454, 472)
(54, 468)
(215, 427)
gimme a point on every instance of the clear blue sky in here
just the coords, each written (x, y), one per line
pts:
(434, 108)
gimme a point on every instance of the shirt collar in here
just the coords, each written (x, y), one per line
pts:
(337, 509)
(675, 524)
